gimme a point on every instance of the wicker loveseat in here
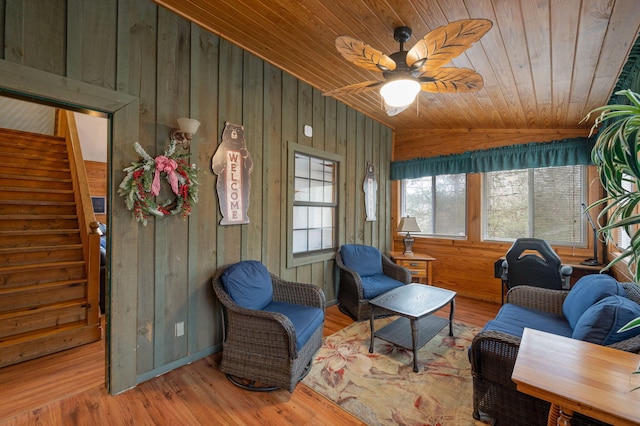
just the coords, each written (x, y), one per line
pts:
(272, 327)
(494, 350)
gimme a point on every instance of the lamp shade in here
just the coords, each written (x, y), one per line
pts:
(188, 125)
(399, 93)
(408, 224)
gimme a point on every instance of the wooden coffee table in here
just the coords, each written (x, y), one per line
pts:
(414, 303)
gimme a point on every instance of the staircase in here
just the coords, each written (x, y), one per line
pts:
(47, 303)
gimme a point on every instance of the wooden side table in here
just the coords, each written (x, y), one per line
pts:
(578, 376)
(419, 264)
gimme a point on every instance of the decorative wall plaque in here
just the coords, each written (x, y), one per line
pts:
(370, 187)
(232, 164)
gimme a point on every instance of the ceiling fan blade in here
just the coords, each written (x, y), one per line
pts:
(451, 80)
(364, 55)
(354, 88)
(444, 43)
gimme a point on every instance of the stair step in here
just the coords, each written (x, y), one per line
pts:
(25, 181)
(36, 207)
(40, 334)
(30, 139)
(53, 173)
(37, 222)
(8, 269)
(19, 322)
(12, 276)
(43, 286)
(42, 189)
(44, 308)
(38, 254)
(48, 147)
(26, 161)
(37, 202)
(36, 248)
(32, 296)
(27, 238)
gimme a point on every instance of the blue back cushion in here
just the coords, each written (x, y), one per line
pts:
(365, 260)
(248, 283)
(586, 292)
(601, 322)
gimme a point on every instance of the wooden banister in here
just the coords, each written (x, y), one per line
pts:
(90, 233)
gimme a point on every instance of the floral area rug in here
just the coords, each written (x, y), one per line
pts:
(381, 388)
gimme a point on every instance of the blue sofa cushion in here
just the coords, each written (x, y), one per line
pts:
(513, 319)
(586, 292)
(248, 283)
(365, 260)
(601, 322)
(305, 319)
(375, 285)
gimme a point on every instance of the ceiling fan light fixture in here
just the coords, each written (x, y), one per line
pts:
(400, 93)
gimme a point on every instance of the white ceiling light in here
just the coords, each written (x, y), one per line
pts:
(400, 93)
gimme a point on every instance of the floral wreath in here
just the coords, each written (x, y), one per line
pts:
(142, 184)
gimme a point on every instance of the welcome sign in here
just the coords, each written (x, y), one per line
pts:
(232, 164)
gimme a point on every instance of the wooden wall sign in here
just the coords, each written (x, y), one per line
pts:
(232, 164)
(370, 187)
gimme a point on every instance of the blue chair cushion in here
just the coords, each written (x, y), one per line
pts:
(375, 285)
(305, 319)
(365, 260)
(601, 322)
(248, 283)
(513, 319)
(586, 292)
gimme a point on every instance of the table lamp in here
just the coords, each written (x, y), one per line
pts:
(408, 224)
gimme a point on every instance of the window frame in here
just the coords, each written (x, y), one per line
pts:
(584, 237)
(306, 258)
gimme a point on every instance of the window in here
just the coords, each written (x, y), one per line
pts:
(542, 203)
(438, 203)
(314, 203)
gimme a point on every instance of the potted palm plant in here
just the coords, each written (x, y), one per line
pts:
(616, 154)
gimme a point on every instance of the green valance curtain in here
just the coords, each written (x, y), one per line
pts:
(566, 152)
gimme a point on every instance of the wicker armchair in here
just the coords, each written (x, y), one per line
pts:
(260, 349)
(493, 355)
(351, 293)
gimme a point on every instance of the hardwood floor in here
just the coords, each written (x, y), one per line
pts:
(68, 388)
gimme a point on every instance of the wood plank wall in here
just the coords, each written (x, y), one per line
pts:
(176, 69)
(97, 177)
(466, 265)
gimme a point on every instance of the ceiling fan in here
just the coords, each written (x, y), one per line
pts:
(406, 73)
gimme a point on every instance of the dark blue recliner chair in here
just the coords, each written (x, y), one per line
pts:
(272, 327)
(364, 274)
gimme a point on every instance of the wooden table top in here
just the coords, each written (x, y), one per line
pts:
(590, 379)
(398, 255)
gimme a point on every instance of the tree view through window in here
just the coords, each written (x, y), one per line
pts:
(438, 203)
(541, 203)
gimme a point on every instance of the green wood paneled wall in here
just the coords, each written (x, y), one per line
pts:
(175, 68)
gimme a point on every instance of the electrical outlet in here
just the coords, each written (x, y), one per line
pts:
(180, 329)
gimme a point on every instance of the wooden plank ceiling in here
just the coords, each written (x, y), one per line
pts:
(545, 63)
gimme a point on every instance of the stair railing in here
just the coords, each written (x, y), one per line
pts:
(89, 230)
